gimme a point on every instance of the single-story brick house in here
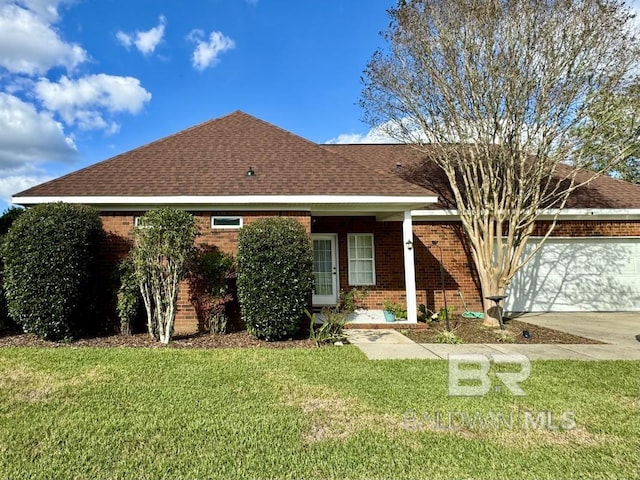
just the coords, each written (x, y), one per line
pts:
(372, 226)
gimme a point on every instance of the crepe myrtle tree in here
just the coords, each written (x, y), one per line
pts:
(163, 247)
(619, 114)
(493, 92)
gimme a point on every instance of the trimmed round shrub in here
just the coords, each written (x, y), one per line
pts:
(6, 220)
(9, 216)
(275, 263)
(50, 256)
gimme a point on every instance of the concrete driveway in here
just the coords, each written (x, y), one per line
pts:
(618, 328)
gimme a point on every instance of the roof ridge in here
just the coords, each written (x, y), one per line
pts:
(319, 146)
(138, 148)
(274, 126)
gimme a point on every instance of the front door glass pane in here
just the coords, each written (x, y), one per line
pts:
(322, 267)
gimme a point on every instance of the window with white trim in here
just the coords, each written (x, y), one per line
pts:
(362, 263)
(226, 222)
(137, 222)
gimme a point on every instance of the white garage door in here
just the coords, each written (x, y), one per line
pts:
(579, 275)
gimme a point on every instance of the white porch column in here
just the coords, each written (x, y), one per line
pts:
(409, 267)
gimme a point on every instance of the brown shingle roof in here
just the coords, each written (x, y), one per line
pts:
(211, 159)
(603, 192)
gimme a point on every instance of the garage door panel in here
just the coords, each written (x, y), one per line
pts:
(579, 275)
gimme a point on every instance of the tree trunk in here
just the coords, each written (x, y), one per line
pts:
(167, 325)
(492, 313)
(147, 300)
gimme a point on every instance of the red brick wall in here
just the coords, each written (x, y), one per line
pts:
(458, 266)
(119, 228)
(592, 228)
(459, 272)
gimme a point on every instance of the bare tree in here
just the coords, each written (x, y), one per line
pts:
(619, 112)
(492, 92)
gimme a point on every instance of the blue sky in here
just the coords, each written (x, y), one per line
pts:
(84, 80)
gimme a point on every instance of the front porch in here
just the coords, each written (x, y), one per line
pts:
(371, 253)
(373, 319)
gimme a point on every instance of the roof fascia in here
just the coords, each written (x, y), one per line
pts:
(549, 214)
(325, 203)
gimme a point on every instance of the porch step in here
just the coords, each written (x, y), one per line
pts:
(386, 325)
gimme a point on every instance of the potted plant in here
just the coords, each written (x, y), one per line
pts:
(352, 301)
(393, 311)
(389, 316)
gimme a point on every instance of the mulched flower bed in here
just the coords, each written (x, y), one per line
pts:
(200, 340)
(471, 330)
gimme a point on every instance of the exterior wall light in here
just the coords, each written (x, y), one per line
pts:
(250, 172)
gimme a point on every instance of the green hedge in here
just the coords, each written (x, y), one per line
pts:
(6, 220)
(275, 263)
(50, 269)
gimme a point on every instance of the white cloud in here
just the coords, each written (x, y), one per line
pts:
(375, 135)
(125, 39)
(28, 136)
(45, 9)
(206, 52)
(147, 41)
(86, 102)
(29, 44)
(33, 111)
(12, 184)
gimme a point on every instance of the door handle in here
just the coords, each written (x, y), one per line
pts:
(334, 271)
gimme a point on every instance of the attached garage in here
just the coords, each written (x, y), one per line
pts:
(579, 275)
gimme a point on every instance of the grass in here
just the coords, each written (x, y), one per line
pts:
(300, 413)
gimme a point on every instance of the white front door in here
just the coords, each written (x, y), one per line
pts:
(325, 269)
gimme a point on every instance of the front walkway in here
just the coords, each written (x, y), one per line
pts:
(620, 331)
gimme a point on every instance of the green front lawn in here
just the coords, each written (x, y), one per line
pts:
(303, 413)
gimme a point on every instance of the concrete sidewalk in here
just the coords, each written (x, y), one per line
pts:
(390, 344)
